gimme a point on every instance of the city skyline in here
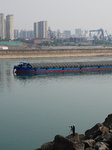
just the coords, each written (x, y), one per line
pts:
(40, 30)
(61, 14)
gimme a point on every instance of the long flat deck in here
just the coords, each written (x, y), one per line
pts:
(71, 64)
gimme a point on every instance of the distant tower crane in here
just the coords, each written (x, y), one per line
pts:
(100, 33)
(109, 38)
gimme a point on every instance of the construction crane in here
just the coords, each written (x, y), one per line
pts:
(100, 33)
(109, 37)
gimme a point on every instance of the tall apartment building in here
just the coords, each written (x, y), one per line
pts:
(40, 29)
(9, 27)
(2, 26)
(16, 34)
(30, 34)
(78, 32)
(36, 30)
(67, 33)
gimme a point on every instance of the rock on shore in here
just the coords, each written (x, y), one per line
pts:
(99, 137)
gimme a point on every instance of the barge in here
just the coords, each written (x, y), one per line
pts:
(58, 67)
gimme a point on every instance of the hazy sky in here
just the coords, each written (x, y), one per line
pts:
(60, 14)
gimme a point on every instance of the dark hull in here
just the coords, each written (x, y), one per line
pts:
(59, 71)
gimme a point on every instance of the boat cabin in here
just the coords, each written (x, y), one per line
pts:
(24, 65)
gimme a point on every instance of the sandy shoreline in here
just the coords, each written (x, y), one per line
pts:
(9, 54)
(51, 56)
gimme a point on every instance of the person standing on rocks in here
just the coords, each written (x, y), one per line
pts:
(73, 130)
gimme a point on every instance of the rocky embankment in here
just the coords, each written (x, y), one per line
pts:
(98, 137)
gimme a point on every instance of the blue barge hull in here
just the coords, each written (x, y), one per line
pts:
(61, 67)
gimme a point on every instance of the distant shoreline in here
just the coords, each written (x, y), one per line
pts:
(53, 53)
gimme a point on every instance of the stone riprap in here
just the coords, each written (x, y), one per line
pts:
(98, 137)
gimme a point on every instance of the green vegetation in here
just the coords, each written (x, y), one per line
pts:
(101, 42)
(76, 42)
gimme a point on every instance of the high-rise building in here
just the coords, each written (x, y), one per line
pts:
(67, 33)
(9, 27)
(40, 29)
(23, 33)
(78, 32)
(30, 34)
(36, 30)
(2, 26)
(16, 34)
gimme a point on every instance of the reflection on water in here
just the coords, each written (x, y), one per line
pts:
(58, 75)
(6, 78)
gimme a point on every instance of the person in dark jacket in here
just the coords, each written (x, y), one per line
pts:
(73, 130)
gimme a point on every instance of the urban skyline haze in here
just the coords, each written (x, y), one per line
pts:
(60, 14)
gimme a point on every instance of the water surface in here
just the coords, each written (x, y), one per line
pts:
(33, 109)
